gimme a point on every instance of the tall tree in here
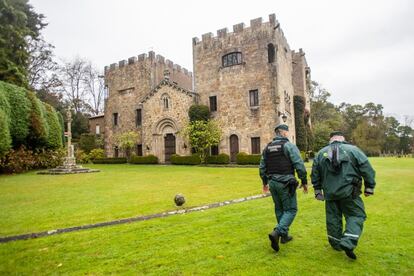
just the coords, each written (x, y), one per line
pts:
(18, 23)
(94, 85)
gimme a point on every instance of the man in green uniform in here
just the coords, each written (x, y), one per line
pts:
(337, 174)
(279, 160)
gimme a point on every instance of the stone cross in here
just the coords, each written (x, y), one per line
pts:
(70, 148)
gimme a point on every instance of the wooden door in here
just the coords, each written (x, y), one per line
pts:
(234, 147)
(169, 143)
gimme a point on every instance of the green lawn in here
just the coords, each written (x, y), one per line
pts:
(226, 240)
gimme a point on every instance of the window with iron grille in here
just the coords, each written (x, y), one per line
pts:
(116, 152)
(138, 117)
(254, 97)
(232, 59)
(213, 103)
(255, 145)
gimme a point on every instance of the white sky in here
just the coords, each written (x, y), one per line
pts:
(361, 51)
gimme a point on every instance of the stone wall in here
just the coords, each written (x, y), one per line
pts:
(301, 76)
(128, 83)
(231, 84)
(94, 121)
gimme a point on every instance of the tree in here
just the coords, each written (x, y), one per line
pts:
(5, 138)
(321, 135)
(54, 139)
(94, 85)
(198, 112)
(202, 135)
(18, 23)
(126, 141)
(406, 139)
(301, 137)
(38, 127)
(366, 136)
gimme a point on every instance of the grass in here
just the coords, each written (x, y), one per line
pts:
(227, 240)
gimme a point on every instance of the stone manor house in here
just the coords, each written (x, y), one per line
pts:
(247, 77)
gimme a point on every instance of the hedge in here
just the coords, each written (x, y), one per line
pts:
(301, 136)
(87, 142)
(247, 159)
(38, 128)
(110, 160)
(54, 139)
(222, 158)
(19, 112)
(148, 159)
(185, 160)
(5, 138)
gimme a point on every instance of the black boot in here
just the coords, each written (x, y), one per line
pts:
(349, 253)
(274, 240)
(286, 239)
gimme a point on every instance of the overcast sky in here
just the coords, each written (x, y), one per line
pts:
(361, 51)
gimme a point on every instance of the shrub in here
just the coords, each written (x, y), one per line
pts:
(96, 153)
(19, 112)
(17, 161)
(110, 160)
(87, 142)
(185, 160)
(5, 138)
(222, 158)
(301, 136)
(148, 159)
(81, 157)
(248, 159)
(54, 139)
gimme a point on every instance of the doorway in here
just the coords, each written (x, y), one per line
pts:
(169, 144)
(234, 147)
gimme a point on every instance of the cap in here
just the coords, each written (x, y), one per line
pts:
(282, 127)
(336, 133)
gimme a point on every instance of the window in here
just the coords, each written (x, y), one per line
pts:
(97, 129)
(139, 150)
(106, 92)
(254, 97)
(255, 145)
(213, 103)
(115, 119)
(138, 117)
(232, 59)
(166, 101)
(271, 52)
(214, 150)
(116, 152)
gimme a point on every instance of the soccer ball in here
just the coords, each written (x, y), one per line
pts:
(179, 199)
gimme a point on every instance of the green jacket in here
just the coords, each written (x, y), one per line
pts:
(354, 165)
(292, 152)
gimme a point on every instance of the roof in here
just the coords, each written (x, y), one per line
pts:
(96, 116)
(165, 82)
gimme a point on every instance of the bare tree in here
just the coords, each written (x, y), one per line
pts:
(72, 76)
(94, 85)
(42, 69)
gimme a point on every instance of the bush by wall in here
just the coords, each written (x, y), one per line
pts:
(243, 158)
(110, 160)
(148, 159)
(301, 136)
(185, 160)
(222, 158)
(81, 157)
(96, 153)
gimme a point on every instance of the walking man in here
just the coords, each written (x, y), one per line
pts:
(337, 174)
(279, 160)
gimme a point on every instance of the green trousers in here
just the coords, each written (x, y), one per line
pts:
(286, 206)
(354, 212)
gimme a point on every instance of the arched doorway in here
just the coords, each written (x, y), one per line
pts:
(234, 147)
(169, 146)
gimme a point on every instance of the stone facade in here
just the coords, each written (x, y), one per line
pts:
(251, 72)
(97, 124)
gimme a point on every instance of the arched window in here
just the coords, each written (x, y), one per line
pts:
(232, 59)
(166, 102)
(271, 52)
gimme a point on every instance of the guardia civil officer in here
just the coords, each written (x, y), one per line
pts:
(279, 160)
(337, 174)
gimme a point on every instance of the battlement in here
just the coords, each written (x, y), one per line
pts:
(151, 58)
(255, 24)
